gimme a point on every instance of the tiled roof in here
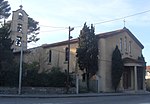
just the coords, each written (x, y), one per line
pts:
(148, 68)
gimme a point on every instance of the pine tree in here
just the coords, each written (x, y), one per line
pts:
(33, 29)
(117, 68)
(4, 9)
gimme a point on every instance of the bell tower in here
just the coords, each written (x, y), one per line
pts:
(19, 28)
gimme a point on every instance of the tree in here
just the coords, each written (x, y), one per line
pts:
(8, 73)
(6, 53)
(4, 9)
(87, 52)
(33, 29)
(117, 68)
(92, 51)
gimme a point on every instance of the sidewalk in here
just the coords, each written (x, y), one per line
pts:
(72, 95)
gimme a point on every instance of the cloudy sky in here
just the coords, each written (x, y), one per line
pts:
(55, 16)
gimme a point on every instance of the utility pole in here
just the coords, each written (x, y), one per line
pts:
(20, 70)
(69, 37)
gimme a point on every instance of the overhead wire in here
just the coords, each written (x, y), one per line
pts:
(96, 23)
(122, 17)
(52, 26)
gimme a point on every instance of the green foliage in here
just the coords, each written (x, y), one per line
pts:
(88, 50)
(8, 72)
(4, 9)
(30, 74)
(57, 78)
(6, 54)
(117, 68)
(9, 78)
(33, 29)
(54, 78)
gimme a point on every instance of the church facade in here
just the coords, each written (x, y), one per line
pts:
(54, 55)
(133, 78)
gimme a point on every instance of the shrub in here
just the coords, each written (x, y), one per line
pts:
(54, 78)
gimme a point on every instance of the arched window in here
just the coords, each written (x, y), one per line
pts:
(18, 41)
(19, 28)
(50, 56)
(20, 16)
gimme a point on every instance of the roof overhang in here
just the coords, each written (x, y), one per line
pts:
(133, 62)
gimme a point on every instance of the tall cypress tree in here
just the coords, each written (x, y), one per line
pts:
(87, 52)
(117, 68)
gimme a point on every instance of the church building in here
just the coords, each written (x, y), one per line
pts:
(54, 55)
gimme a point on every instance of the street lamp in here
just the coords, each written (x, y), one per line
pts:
(69, 37)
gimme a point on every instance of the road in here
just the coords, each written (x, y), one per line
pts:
(134, 99)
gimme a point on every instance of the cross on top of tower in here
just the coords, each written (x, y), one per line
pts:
(21, 6)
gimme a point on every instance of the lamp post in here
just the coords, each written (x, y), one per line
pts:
(69, 37)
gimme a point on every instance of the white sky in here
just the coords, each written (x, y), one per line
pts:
(64, 13)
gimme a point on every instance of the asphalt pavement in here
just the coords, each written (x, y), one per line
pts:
(72, 95)
(127, 99)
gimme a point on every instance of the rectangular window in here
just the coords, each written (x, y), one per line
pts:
(50, 56)
(129, 46)
(66, 54)
(120, 44)
(125, 43)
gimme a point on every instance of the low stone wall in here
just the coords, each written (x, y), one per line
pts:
(148, 84)
(36, 90)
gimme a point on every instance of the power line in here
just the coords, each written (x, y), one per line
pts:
(53, 26)
(53, 30)
(96, 23)
(122, 17)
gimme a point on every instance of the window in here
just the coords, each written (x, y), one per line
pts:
(19, 28)
(50, 56)
(20, 16)
(66, 54)
(129, 46)
(125, 43)
(18, 41)
(120, 44)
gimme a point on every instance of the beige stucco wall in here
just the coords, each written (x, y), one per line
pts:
(58, 56)
(41, 55)
(14, 33)
(107, 46)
